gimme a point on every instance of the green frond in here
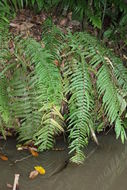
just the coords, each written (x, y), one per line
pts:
(49, 91)
(5, 64)
(110, 101)
(52, 38)
(80, 106)
(4, 102)
(81, 102)
(98, 54)
(87, 62)
(109, 78)
(120, 72)
(107, 89)
(52, 124)
(24, 104)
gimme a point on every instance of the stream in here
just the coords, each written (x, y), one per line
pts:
(105, 167)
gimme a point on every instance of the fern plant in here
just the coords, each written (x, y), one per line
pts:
(4, 66)
(49, 93)
(80, 106)
(90, 68)
(32, 87)
(31, 92)
(52, 37)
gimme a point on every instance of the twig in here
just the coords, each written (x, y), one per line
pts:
(16, 181)
(24, 158)
(109, 130)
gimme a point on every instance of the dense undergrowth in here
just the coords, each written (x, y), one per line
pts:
(38, 78)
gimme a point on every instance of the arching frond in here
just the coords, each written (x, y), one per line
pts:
(109, 78)
(49, 84)
(24, 104)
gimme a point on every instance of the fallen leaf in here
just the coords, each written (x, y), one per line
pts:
(63, 22)
(40, 169)
(22, 27)
(3, 157)
(14, 25)
(25, 26)
(33, 152)
(33, 174)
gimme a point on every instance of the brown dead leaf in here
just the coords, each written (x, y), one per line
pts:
(22, 27)
(3, 157)
(15, 25)
(33, 152)
(33, 174)
(25, 26)
(63, 22)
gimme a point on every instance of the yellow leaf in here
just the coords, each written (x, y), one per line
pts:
(40, 169)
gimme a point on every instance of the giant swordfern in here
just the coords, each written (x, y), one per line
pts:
(87, 62)
(49, 84)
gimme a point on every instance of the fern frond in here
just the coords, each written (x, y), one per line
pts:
(47, 72)
(109, 78)
(52, 124)
(53, 38)
(88, 61)
(80, 105)
(24, 104)
(110, 101)
(81, 101)
(4, 102)
(49, 84)
(98, 53)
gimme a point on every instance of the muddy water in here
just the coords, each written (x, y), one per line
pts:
(104, 169)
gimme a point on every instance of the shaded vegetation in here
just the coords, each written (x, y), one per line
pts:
(66, 67)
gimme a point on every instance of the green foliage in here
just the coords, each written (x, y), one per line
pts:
(18, 4)
(31, 93)
(5, 13)
(80, 106)
(52, 38)
(44, 66)
(24, 104)
(93, 12)
(32, 85)
(34, 4)
(4, 104)
(48, 94)
(4, 65)
(32, 89)
(89, 62)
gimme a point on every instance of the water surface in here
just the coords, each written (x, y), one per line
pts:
(105, 167)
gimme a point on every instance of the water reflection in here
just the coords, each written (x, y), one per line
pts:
(114, 168)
